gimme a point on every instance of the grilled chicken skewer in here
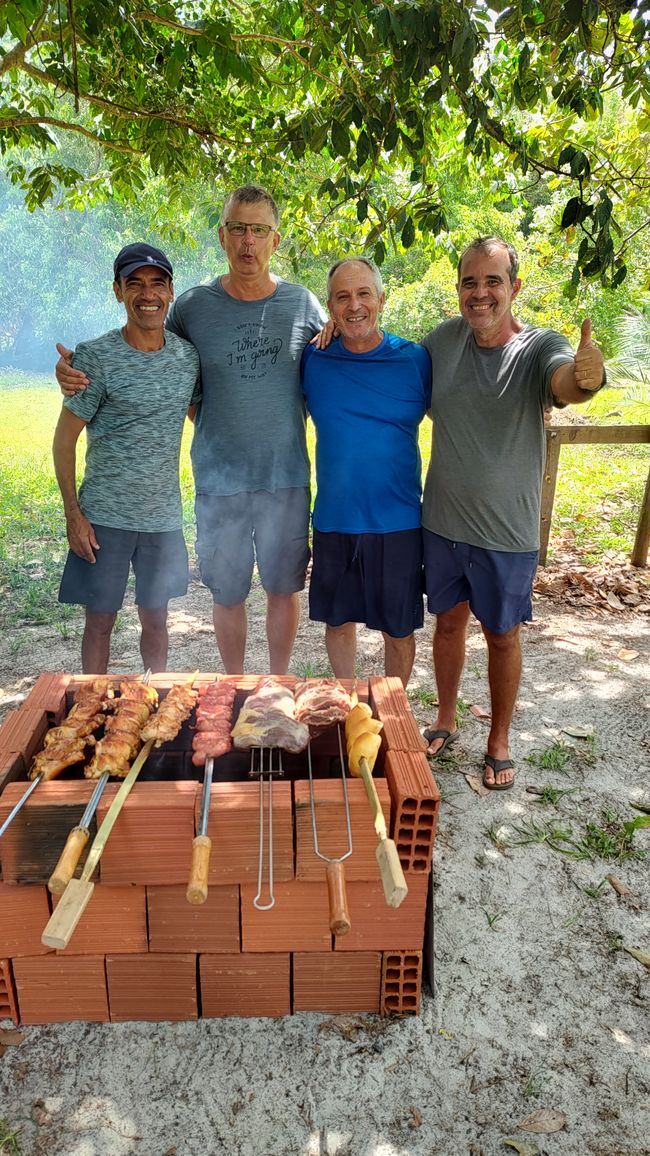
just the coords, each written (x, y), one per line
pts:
(66, 744)
(177, 705)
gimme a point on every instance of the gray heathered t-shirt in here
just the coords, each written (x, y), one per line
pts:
(135, 407)
(250, 427)
(483, 485)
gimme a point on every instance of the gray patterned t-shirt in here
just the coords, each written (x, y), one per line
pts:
(135, 407)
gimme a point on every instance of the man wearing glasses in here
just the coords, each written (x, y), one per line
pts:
(249, 451)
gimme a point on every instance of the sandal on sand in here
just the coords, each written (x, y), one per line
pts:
(496, 766)
(430, 736)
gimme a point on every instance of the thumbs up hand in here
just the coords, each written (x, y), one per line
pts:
(589, 365)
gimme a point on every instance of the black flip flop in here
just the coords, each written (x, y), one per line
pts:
(498, 765)
(448, 737)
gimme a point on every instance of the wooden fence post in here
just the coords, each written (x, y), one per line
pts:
(639, 555)
(553, 446)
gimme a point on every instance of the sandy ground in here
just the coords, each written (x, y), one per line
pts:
(538, 1015)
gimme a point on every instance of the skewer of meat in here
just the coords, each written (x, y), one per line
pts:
(121, 742)
(268, 719)
(321, 702)
(66, 744)
(212, 737)
(171, 714)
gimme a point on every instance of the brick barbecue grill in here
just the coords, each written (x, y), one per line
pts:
(142, 952)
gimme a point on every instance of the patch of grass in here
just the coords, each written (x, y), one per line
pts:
(311, 670)
(552, 795)
(8, 1139)
(535, 1083)
(426, 698)
(498, 837)
(611, 838)
(561, 758)
(462, 712)
(596, 890)
(492, 918)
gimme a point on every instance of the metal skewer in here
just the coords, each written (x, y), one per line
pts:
(260, 862)
(335, 871)
(197, 888)
(20, 804)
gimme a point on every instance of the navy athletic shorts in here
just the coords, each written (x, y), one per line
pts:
(497, 584)
(236, 530)
(371, 578)
(159, 563)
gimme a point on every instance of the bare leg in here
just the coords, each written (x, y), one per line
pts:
(504, 673)
(154, 640)
(341, 643)
(96, 642)
(230, 626)
(448, 661)
(399, 656)
(282, 618)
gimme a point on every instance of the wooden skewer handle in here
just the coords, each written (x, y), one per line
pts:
(67, 913)
(68, 859)
(392, 875)
(197, 888)
(338, 900)
(373, 799)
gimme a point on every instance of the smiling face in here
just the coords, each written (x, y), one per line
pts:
(486, 293)
(146, 295)
(250, 256)
(355, 306)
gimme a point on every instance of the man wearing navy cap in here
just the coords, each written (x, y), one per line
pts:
(143, 382)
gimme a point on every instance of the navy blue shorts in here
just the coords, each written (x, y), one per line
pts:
(236, 530)
(497, 584)
(371, 578)
(159, 563)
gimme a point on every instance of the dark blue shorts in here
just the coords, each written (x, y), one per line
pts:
(159, 563)
(371, 578)
(236, 530)
(497, 584)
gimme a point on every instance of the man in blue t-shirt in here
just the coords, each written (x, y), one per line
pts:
(367, 393)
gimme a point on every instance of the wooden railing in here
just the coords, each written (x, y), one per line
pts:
(556, 437)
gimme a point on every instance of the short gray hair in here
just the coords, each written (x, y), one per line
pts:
(482, 244)
(376, 275)
(250, 195)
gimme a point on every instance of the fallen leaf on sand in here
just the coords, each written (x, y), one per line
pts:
(415, 1117)
(523, 1147)
(7, 1038)
(578, 732)
(475, 782)
(642, 956)
(479, 712)
(544, 1120)
(627, 655)
(346, 1026)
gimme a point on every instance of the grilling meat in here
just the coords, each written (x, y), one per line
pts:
(56, 756)
(213, 721)
(66, 744)
(267, 719)
(100, 688)
(321, 702)
(172, 712)
(122, 733)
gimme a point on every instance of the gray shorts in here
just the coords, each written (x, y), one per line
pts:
(159, 563)
(236, 530)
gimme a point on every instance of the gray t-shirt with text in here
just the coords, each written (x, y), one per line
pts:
(135, 407)
(483, 485)
(250, 426)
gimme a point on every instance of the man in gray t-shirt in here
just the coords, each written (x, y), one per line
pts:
(249, 451)
(142, 382)
(492, 379)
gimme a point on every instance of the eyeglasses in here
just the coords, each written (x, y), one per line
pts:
(238, 229)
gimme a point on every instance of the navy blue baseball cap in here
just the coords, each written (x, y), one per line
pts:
(133, 257)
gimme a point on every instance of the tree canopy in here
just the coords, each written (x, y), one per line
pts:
(383, 103)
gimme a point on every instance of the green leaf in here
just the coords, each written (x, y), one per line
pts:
(407, 238)
(362, 210)
(340, 139)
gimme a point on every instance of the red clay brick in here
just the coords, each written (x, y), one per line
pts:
(332, 828)
(8, 1002)
(416, 804)
(299, 921)
(401, 982)
(176, 925)
(23, 730)
(57, 990)
(32, 843)
(151, 841)
(390, 705)
(12, 767)
(152, 987)
(338, 983)
(233, 826)
(378, 927)
(24, 911)
(115, 920)
(49, 694)
(245, 985)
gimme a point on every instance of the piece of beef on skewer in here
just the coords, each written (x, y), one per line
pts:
(212, 736)
(268, 719)
(321, 702)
